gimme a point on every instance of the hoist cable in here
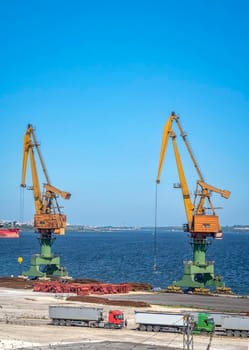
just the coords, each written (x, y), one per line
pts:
(155, 233)
(21, 220)
(21, 205)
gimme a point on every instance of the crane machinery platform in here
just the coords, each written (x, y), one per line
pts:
(48, 218)
(202, 221)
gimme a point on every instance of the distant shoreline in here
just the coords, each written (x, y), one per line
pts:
(82, 228)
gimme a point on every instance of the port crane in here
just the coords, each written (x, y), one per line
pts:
(202, 221)
(48, 218)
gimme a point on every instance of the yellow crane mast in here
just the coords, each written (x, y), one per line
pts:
(202, 221)
(48, 218)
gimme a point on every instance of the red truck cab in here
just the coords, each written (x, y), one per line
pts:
(116, 319)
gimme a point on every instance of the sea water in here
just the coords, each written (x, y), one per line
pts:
(132, 256)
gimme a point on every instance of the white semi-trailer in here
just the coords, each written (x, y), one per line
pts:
(171, 322)
(231, 324)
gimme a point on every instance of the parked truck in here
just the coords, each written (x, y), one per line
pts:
(227, 324)
(171, 322)
(230, 324)
(85, 316)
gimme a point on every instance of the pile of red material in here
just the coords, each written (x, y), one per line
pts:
(136, 286)
(81, 289)
(80, 284)
(133, 286)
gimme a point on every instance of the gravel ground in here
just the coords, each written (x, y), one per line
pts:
(102, 346)
(24, 324)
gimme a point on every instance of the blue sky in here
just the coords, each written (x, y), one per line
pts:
(98, 81)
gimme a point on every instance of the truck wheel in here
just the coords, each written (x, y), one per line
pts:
(236, 333)
(156, 329)
(68, 323)
(149, 328)
(244, 334)
(62, 322)
(55, 322)
(229, 332)
(142, 327)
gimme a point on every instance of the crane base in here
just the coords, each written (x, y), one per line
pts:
(45, 266)
(198, 276)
